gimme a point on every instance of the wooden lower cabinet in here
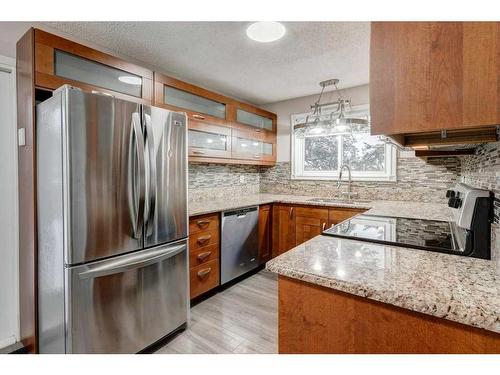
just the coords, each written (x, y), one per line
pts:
(309, 222)
(339, 214)
(265, 233)
(204, 253)
(295, 224)
(283, 233)
(319, 320)
(204, 277)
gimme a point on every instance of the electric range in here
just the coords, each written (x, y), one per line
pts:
(467, 235)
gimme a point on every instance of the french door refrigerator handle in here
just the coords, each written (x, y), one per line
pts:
(151, 171)
(137, 177)
(131, 262)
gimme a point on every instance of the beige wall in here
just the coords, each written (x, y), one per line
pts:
(359, 95)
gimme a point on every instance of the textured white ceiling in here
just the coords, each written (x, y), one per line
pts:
(219, 55)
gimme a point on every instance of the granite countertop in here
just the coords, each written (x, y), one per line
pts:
(460, 289)
(431, 211)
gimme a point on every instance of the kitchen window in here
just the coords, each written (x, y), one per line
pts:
(319, 157)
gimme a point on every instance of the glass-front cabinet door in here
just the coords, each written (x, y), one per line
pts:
(254, 120)
(59, 61)
(192, 102)
(247, 147)
(207, 140)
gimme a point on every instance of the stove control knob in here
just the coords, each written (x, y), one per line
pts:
(450, 193)
(458, 203)
(454, 202)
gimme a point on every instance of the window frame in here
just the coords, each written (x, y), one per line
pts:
(297, 156)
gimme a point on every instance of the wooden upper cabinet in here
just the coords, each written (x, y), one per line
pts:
(59, 61)
(260, 147)
(247, 117)
(433, 76)
(200, 104)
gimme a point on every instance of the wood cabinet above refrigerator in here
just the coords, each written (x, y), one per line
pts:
(436, 78)
(59, 61)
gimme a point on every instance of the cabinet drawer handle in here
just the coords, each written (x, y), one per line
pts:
(200, 117)
(256, 156)
(204, 272)
(204, 256)
(203, 223)
(291, 211)
(204, 239)
(258, 130)
(199, 152)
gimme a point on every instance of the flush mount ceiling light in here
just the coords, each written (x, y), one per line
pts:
(335, 122)
(130, 80)
(266, 32)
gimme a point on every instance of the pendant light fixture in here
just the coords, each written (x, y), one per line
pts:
(335, 121)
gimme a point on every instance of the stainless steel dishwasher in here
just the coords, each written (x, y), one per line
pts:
(239, 245)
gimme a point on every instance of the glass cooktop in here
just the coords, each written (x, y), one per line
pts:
(431, 235)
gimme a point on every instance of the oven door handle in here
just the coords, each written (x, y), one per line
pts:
(130, 262)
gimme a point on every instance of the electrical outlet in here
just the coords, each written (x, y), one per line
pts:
(242, 179)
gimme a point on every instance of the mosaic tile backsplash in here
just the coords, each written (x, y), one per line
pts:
(416, 180)
(483, 170)
(213, 181)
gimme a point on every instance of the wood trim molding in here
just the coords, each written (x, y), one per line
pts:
(25, 70)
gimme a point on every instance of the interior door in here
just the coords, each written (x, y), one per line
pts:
(126, 303)
(106, 176)
(166, 216)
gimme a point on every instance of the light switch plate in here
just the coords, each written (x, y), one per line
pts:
(21, 137)
(242, 179)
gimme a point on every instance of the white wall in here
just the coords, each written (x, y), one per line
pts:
(9, 297)
(359, 95)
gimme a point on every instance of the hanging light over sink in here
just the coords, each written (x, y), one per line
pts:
(335, 121)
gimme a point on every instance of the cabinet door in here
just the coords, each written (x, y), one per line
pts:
(254, 120)
(283, 233)
(264, 233)
(247, 117)
(309, 222)
(429, 76)
(199, 103)
(339, 214)
(207, 140)
(193, 102)
(59, 61)
(248, 146)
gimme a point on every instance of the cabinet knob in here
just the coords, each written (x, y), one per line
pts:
(203, 223)
(204, 239)
(200, 117)
(203, 256)
(204, 272)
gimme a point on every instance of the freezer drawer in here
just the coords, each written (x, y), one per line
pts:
(239, 244)
(124, 304)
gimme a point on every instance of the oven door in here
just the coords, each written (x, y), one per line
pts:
(124, 304)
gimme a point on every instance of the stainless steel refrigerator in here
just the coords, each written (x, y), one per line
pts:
(112, 223)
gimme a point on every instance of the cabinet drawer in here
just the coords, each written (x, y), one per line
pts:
(203, 239)
(203, 223)
(203, 255)
(204, 277)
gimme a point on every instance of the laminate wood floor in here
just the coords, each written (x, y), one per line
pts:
(241, 319)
